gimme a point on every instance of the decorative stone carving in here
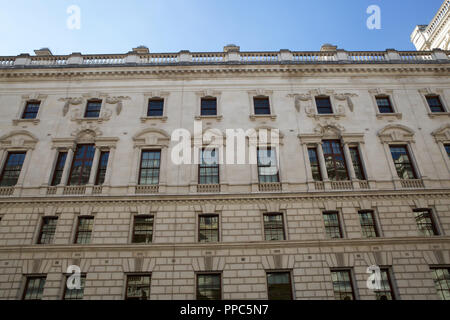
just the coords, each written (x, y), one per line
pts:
(118, 101)
(20, 139)
(396, 133)
(442, 134)
(151, 137)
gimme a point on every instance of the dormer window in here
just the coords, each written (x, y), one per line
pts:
(324, 105)
(93, 109)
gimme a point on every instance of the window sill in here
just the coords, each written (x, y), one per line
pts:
(272, 117)
(89, 120)
(438, 114)
(149, 118)
(326, 116)
(218, 118)
(25, 121)
(389, 116)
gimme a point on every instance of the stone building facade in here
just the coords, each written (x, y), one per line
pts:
(88, 179)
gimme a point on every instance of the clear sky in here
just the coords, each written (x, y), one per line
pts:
(112, 26)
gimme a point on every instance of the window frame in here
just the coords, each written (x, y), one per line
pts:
(155, 99)
(211, 273)
(282, 224)
(390, 106)
(128, 275)
(100, 168)
(86, 109)
(258, 165)
(349, 271)
(359, 162)
(340, 226)
(206, 99)
(374, 221)
(431, 216)
(334, 161)
(440, 267)
(261, 98)
(323, 97)
(140, 166)
(208, 215)
(314, 149)
(27, 282)
(24, 111)
(291, 291)
(392, 291)
(2, 175)
(82, 276)
(410, 159)
(77, 230)
(443, 109)
(208, 166)
(41, 229)
(134, 228)
(56, 169)
(84, 159)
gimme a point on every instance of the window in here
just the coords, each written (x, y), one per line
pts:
(402, 161)
(208, 107)
(82, 164)
(93, 109)
(425, 222)
(48, 228)
(84, 230)
(315, 165)
(262, 105)
(209, 167)
(279, 286)
(208, 230)
(155, 107)
(441, 277)
(31, 110)
(384, 104)
(357, 164)
(138, 287)
(59, 168)
(435, 104)
(34, 288)
(12, 168)
(368, 224)
(324, 105)
(149, 170)
(334, 160)
(75, 294)
(102, 166)
(447, 148)
(267, 165)
(342, 285)
(142, 229)
(273, 227)
(332, 225)
(386, 292)
(209, 287)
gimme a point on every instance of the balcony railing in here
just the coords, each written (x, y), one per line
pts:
(6, 191)
(412, 183)
(270, 187)
(147, 189)
(341, 185)
(208, 188)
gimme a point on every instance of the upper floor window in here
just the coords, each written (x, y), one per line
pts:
(34, 288)
(209, 286)
(315, 165)
(402, 161)
(155, 107)
(209, 167)
(138, 287)
(102, 166)
(75, 294)
(441, 278)
(324, 105)
(267, 165)
(150, 165)
(93, 109)
(274, 227)
(386, 292)
(342, 285)
(435, 103)
(334, 160)
(262, 105)
(357, 164)
(368, 224)
(332, 225)
(82, 164)
(425, 222)
(279, 286)
(142, 229)
(12, 168)
(84, 230)
(208, 228)
(31, 110)
(384, 104)
(48, 229)
(447, 148)
(208, 106)
(59, 168)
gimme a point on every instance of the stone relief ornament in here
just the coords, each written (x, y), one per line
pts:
(118, 101)
(68, 101)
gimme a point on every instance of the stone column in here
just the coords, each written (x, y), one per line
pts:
(309, 176)
(133, 170)
(94, 167)
(67, 166)
(323, 167)
(394, 175)
(109, 168)
(23, 172)
(164, 160)
(349, 162)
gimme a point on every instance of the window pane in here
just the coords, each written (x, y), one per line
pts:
(138, 287)
(267, 165)
(34, 288)
(324, 105)
(48, 229)
(334, 160)
(357, 164)
(342, 285)
(384, 105)
(279, 286)
(208, 107)
(368, 226)
(262, 105)
(332, 225)
(31, 110)
(402, 162)
(435, 104)
(273, 227)
(82, 164)
(12, 168)
(315, 166)
(155, 108)
(441, 277)
(75, 294)
(84, 230)
(93, 109)
(447, 148)
(208, 228)
(386, 292)
(425, 222)
(209, 167)
(102, 166)
(208, 287)
(143, 229)
(150, 165)
(59, 168)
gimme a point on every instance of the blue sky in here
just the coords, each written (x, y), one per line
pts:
(112, 26)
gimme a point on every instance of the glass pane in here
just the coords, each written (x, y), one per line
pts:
(357, 165)
(273, 227)
(155, 108)
(342, 285)
(143, 230)
(48, 229)
(82, 164)
(208, 228)
(76, 294)
(208, 287)
(425, 222)
(324, 105)
(332, 225)
(315, 166)
(279, 286)
(84, 230)
(93, 109)
(441, 278)
(208, 107)
(402, 162)
(262, 105)
(31, 110)
(59, 168)
(150, 166)
(138, 287)
(384, 105)
(334, 160)
(34, 288)
(12, 168)
(267, 165)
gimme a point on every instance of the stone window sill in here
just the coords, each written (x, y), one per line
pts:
(89, 120)
(158, 118)
(272, 117)
(199, 117)
(438, 114)
(326, 116)
(25, 121)
(389, 116)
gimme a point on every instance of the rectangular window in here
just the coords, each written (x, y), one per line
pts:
(82, 164)
(315, 165)
(48, 228)
(84, 230)
(75, 294)
(208, 228)
(274, 227)
(342, 285)
(441, 277)
(332, 225)
(435, 104)
(262, 105)
(155, 108)
(267, 165)
(425, 222)
(334, 160)
(102, 166)
(279, 286)
(209, 286)
(357, 164)
(208, 107)
(447, 148)
(138, 287)
(34, 288)
(59, 168)
(403, 163)
(384, 104)
(386, 292)
(150, 164)
(12, 168)
(143, 229)
(368, 224)
(31, 110)
(209, 167)
(324, 105)
(93, 109)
